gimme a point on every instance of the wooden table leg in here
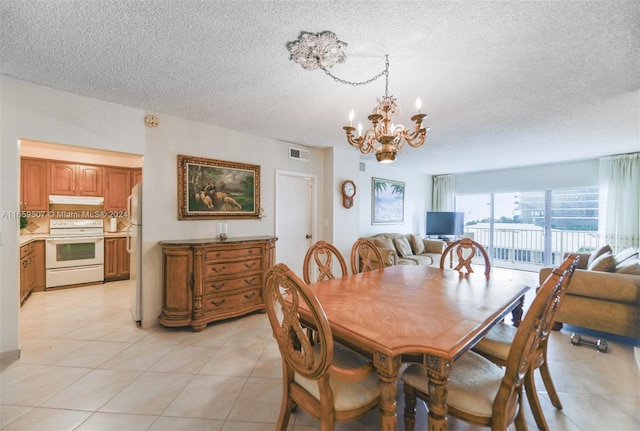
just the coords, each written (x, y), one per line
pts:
(438, 370)
(388, 369)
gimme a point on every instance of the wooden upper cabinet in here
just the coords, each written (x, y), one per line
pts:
(136, 176)
(89, 179)
(34, 188)
(117, 188)
(76, 180)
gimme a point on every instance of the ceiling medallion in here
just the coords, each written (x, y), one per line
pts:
(324, 50)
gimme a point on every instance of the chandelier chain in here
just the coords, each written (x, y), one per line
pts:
(385, 72)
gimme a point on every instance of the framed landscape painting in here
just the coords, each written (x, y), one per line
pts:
(216, 189)
(387, 199)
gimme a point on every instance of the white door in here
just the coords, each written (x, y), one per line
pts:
(295, 224)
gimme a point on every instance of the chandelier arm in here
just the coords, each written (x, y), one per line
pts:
(420, 134)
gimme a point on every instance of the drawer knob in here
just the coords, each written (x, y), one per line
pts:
(249, 296)
(249, 280)
(218, 286)
(215, 269)
(218, 303)
(249, 265)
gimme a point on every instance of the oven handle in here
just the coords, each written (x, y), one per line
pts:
(75, 238)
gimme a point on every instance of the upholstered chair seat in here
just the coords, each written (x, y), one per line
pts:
(347, 395)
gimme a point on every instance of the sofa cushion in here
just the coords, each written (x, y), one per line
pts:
(625, 254)
(434, 246)
(629, 266)
(598, 253)
(604, 262)
(417, 259)
(384, 243)
(403, 246)
(416, 244)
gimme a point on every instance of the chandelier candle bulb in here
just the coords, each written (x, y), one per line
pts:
(359, 129)
(351, 115)
(419, 105)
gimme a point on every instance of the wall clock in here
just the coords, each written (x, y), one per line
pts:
(348, 193)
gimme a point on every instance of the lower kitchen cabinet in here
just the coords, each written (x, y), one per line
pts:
(116, 259)
(27, 273)
(209, 280)
(32, 269)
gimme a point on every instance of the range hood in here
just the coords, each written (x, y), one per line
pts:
(75, 200)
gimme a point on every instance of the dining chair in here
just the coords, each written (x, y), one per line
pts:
(326, 380)
(322, 254)
(496, 345)
(465, 249)
(365, 256)
(479, 391)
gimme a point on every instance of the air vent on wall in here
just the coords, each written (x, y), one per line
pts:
(298, 154)
(362, 166)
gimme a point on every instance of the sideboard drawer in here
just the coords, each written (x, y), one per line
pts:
(221, 268)
(221, 254)
(239, 300)
(221, 285)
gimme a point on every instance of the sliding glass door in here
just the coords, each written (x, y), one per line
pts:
(527, 230)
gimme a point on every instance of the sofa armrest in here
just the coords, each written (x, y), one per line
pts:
(434, 245)
(609, 286)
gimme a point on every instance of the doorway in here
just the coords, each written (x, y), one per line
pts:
(296, 224)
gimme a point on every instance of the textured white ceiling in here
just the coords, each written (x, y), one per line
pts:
(509, 83)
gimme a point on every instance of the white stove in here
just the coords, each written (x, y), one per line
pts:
(74, 252)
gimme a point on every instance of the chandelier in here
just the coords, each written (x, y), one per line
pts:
(322, 51)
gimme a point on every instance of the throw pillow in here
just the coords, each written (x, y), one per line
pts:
(625, 254)
(403, 247)
(629, 266)
(384, 243)
(416, 244)
(604, 262)
(598, 253)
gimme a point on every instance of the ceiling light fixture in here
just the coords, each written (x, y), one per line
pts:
(324, 50)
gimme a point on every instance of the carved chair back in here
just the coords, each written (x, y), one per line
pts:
(465, 250)
(365, 256)
(323, 255)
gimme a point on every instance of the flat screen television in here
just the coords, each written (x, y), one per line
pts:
(445, 223)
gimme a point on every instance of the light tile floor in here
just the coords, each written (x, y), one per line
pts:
(86, 366)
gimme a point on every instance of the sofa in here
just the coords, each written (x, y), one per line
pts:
(604, 293)
(408, 249)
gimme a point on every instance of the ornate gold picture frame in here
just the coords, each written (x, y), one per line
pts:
(216, 189)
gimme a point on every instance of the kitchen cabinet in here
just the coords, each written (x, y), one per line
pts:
(209, 280)
(39, 272)
(34, 187)
(26, 270)
(76, 180)
(117, 188)
(136, 176)
(116, 259)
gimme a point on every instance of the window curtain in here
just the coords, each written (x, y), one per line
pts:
(619, 206)
(444, 193)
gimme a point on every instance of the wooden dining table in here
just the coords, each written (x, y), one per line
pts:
(417, 314)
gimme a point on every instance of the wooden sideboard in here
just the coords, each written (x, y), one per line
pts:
(209, 279)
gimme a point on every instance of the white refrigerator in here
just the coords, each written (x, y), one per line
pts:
(134, 247)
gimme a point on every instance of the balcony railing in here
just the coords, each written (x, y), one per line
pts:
(523, 248)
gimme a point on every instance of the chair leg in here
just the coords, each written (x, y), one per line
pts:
(409, 408)
(548, 384)
(534, 402)
(285, 412)
(520, 422)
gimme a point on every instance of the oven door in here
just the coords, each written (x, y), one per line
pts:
(66, 252)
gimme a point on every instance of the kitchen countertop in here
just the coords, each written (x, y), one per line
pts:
(27, 238)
